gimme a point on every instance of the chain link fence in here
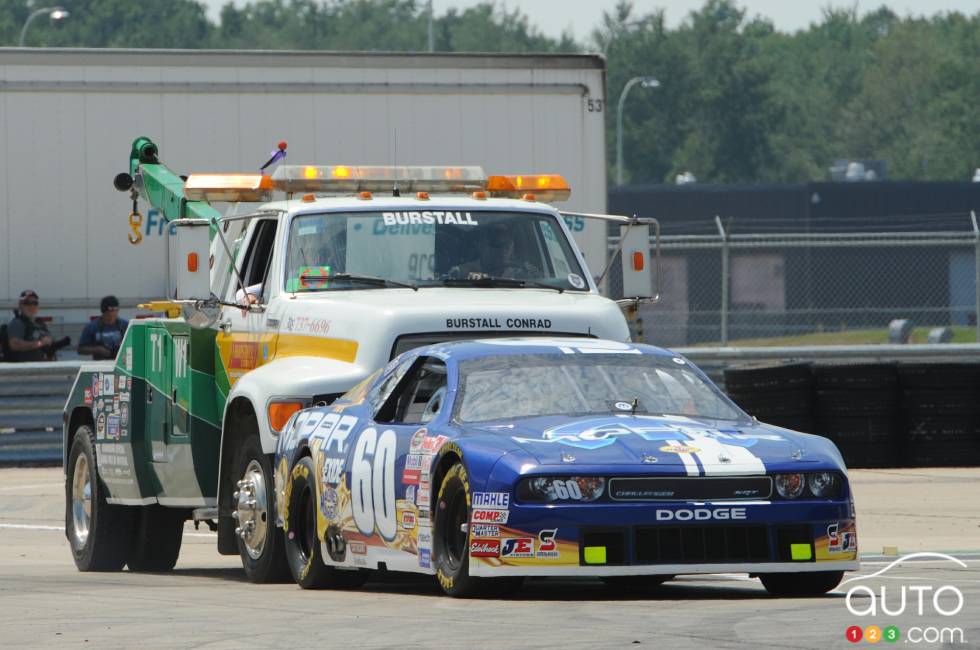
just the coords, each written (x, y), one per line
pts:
(730, 288)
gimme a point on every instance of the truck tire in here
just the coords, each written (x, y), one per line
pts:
(303, 550)
(157, 535)
(99, 534)
(450, 544)
(815, 583)
(260, 542)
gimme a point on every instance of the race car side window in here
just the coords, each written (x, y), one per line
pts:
(417, 399)
(378, 396)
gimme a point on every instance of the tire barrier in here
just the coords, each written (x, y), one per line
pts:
(878, 414)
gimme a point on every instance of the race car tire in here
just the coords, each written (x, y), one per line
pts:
(861, 376)
(450, 552)
(855, 403)
(768, 378)
(261, 548)
(303, 551)
(636, 582)
(157, 535)
(801, 584)
(938, 375)
(99, 534)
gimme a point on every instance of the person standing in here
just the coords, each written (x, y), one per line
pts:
(27, 337)
(102, 337)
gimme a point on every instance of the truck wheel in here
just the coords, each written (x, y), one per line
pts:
(303, 550)
(157, 537)
(450, 543)
(260, 542)
(816, 583)
(99, 534)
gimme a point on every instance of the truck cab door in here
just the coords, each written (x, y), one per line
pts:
(159, 379)
(247, 339)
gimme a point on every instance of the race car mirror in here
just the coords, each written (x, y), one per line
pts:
(191, 259)
(635, 258)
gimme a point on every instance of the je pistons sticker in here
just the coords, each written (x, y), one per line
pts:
(680, 449)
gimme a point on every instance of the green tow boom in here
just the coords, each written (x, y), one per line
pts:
(162, 188)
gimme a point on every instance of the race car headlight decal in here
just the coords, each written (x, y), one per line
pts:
(823, 484)
(789, 486)
(561, 488)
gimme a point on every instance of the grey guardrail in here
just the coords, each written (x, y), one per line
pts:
(32, 398)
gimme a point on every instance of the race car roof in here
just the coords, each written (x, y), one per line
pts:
(492, 347)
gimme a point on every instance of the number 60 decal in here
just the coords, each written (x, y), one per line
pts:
(373, 483)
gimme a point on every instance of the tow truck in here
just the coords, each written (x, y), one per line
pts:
(278, 305)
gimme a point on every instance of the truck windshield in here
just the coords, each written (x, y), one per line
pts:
(532, 385)
(363, 250)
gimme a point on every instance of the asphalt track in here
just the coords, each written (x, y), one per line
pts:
(207, 603)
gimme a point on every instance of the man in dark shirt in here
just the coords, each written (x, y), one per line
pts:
(28, 337)
(102, 337)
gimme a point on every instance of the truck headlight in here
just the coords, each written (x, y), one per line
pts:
(789, 486)
(561, 488)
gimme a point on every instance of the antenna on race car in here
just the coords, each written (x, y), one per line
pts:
(633, 405)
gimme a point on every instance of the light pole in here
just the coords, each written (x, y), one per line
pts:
(55, 13)
(646, 82)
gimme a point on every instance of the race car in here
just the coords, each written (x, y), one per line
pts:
(485, 462)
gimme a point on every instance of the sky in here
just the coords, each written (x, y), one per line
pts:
(553, 17)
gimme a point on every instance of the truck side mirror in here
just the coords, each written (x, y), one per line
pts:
(192, 264)
(635, 256)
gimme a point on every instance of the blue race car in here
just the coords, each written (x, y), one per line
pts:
(485, 462)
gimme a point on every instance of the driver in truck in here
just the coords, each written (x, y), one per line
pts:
(497, 256)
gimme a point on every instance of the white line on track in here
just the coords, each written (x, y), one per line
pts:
(62, 529)
(30, 487)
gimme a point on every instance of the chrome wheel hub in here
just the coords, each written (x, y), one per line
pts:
(250, 510)
(81, 502)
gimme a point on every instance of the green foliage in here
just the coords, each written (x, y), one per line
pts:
(737, 101)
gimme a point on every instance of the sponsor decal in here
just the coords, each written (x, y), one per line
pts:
(87, 396)
(490, 516)
(129, 366)
(416, 444)
(623, 406)
(122, 382)
(328, 503)
(485, 530)
(100, 405)
(112, 427)
(431, 444)
(115, 404)
(491, 500)
(423, 497)
(108, 385)
(410, 494)
(357, 547)
(424, 517)
(100, 426)
(96, 385)
(485, 548)
(360, 561)
(680, 449)
(701, 514)
(409, 520)
(547, 545)
(124, 396)
(576, 280)
(413, 461)
(425, 558)
(425, 537)
(426, 218)
(124, 412)
(517, 547)
(840, 541)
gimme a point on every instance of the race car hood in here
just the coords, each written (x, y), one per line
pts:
(670, 443)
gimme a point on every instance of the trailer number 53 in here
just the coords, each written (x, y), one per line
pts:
(594, 105)
(373, 483)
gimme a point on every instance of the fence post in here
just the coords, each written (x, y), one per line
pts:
(976, 269)
(725, 270)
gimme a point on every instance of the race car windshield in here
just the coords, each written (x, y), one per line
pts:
(533, 385)
(457, 248)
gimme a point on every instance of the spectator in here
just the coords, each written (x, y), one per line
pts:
(102, 337)
(28, 339)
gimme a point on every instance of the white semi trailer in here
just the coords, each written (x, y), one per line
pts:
(66, 114)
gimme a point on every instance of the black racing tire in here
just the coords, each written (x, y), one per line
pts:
(870, 456)
(872, 429)
(855, 403)
(303, 551)
(944, 401)
(99, 534)
(931, 429)
(815, 583)
(633, 583)
(262, 552)
(157, 535)
(785, 403)
(860, 376)
(768, 378)
(450, 545)
(942, 454)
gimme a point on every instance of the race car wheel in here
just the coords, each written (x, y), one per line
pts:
(801, 584)
(99, 533)
(303, 550)
(157, 536)
(635, 582)
(260, 542)
(451, 557)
